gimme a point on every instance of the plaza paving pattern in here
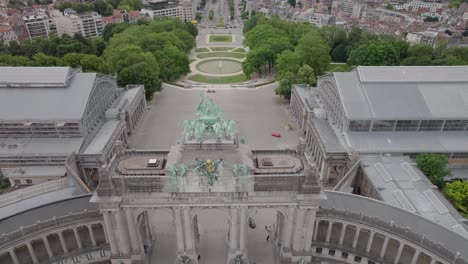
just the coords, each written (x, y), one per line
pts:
(257, 112)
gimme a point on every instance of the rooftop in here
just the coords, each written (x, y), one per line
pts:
(43, 93)
(407, 142)
(404, 92)
(25, 146)
(401, 184)
(34, 171)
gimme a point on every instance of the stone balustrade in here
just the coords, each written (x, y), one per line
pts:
(32, 191)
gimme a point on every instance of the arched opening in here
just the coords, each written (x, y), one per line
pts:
(157, 231)
(266, 236)
(211, 226)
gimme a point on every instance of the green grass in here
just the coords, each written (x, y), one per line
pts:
(220, 80)
(220, 48)
(239, 50)
(221, 54)
(202, 50)
(220, 38)
(338, 68)
(220, 22)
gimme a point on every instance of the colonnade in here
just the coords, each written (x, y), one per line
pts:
(70, 240)
(336, 239)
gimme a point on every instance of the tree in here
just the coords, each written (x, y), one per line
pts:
(431, 19)
(434, 166)
(339, 54)
(287, 61)
(374, 53)
(313, 51)
(87, 62)
(292, 3)
(141, 73)
(457, 192)
(285, 85)
(334, 35)
(211, 14)
(172, 63)
(103, 8)
(41, 59)
(9, 60)
(306, 75)
(389, 6)
(198, 16)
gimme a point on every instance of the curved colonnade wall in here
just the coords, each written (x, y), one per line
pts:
(356, 229)
(69, 231)
(348, 229)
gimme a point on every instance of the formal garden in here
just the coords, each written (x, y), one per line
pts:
(218, 65)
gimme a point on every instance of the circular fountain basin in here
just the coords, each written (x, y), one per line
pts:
(219, 66)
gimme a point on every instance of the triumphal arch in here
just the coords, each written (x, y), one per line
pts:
(210, 168)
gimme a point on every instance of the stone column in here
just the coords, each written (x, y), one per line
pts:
(132, 230)
(370, 241)
(433, 261)
(316, 229)
(342, 234)
(356, 236)
(298, 244)
(122, 233)
(310, 229)
(384, 247)
(62, 242)
(77, 237)
(189, 240)
(32, 253)
(414, 260)
(91, 235)
(398, 254)
(13, 256)
(243, 228)
(179, 230)
(287, 235)
(329, 230)
(47, 246)
(110, 233)
(233, 238)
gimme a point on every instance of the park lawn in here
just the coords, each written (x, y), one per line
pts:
(220, 22)
(221, 80)
(339, 67)
(220, 48)
(239, 50)
(202, 50)
(221, 54)
(220, 38)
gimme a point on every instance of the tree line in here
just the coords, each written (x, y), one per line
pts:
(297, 51)
(103, 7)
(144, 53)
(288, 47)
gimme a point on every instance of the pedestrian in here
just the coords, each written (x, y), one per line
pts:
(199, 258)
(268, 238)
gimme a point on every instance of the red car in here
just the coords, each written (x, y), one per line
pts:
(278, 135)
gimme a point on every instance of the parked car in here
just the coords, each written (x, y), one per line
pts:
(278, 135)
(211, 91)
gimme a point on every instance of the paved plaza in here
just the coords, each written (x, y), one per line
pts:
(257, 112)
(213, 227)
